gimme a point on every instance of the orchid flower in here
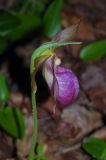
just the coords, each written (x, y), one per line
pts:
(62, 82)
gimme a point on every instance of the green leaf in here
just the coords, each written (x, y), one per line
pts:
(103, 156)
(21, 30)
(52, 18)
(8, 22)
(12, 121)
(93, 51)
(31, 7)
(94, 147)
(40, 150)
(4, 91)
(28, 23)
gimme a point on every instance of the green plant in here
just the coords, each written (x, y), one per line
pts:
(11, 118)
(4, 91)
(12, 121)
(15, 24)
(52, 18)
(95, 147)
(93, 51)
(40, 55)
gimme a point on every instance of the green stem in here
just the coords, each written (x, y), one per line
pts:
(35, 128)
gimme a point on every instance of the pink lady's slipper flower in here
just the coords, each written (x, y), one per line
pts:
(62, 82)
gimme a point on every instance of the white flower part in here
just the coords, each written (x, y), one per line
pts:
(47, 72)
(57, 61)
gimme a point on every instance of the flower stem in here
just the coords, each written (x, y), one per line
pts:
(35, 128)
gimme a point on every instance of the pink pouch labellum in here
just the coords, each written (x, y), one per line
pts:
(62, 82)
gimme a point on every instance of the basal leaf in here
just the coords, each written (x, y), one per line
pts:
(103, 156)
(94, 147)
(8, 22)
(28, 23)
(12, 121)
(40, 150)
(52, 18)
(4, 91)
(93, 51)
